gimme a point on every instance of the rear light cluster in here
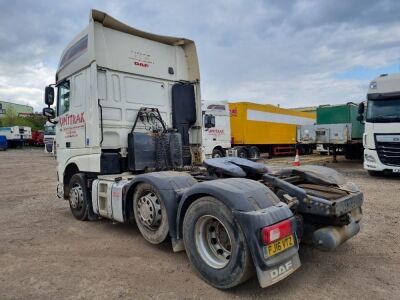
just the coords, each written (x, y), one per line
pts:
(276, 232)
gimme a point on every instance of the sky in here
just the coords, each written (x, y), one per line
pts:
(291, 53)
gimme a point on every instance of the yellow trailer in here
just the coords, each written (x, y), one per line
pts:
(266, 127)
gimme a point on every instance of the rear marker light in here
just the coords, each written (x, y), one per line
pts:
(276, 232)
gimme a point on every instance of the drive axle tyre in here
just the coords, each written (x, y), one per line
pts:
(215, 244)
(79, 196)
(150, 213)
(217, 153)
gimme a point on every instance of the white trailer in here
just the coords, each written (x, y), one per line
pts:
(381, 137)
(128, 136)
(16, 135)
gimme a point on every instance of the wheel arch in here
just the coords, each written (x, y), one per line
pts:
(238, 194)
(69, 171)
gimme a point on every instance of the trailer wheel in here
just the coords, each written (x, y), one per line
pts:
(79, 196)
(254, 152)
(215, 244)
(150, 213)
(217, 153)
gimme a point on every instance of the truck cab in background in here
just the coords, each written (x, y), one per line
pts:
(49, 137)
(381, 138)
(216, 132)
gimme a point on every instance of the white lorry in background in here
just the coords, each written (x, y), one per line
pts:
(381, 138)
(49, 138)
(16, 135)
(216, 133)
(128, 138)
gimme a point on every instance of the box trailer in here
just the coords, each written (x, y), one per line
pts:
(254, 129)
(128, 136)
(336, 127)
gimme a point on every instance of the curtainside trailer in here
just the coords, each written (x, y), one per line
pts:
(128, 141)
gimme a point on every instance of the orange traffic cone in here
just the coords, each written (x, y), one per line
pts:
(296, 162)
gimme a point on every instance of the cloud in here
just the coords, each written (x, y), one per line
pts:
(286, 52)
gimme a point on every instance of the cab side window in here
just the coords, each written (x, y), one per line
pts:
(63, 102)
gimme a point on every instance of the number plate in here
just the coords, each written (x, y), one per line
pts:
(279, 246)
(396, 170)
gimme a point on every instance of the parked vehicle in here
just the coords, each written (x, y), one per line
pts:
(3, 143)
(49, 137)
(253, 128)
(336, 127)
(16, 135)
(37, 138)
(127, 148)
(381, 139)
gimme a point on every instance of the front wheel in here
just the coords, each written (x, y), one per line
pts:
(215, 244)
(79, 197)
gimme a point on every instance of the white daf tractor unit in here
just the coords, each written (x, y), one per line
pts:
(216, 131)
(128, 149)
(381, 138)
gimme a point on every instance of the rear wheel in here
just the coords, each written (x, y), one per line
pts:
(79, 196)
(217, 153)
(215, 244)
(150, 213)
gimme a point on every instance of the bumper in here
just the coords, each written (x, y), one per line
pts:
(376, 165)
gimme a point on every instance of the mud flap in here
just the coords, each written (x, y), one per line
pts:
(276, 273)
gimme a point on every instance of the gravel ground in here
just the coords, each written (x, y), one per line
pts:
(46, 254)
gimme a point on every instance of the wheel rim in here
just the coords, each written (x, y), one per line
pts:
(217, 155)
(213, 241)
(242, 155)
(149, 210)
(76, 197)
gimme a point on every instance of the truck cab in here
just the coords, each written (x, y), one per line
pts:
(381, 138)
(216, 131)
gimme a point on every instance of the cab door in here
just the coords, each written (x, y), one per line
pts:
(71, 98)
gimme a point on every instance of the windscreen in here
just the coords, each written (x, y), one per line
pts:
(383, 111)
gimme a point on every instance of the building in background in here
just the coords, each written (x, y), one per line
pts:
(19, 109)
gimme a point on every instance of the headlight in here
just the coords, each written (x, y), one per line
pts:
(369, 158)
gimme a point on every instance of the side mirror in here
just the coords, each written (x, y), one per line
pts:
(209, 121)
(49, 95)
(361, 108)
(49, 113)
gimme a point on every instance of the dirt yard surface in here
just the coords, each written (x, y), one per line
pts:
(46, 254)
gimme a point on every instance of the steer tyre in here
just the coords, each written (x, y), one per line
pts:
(215, 244)
(217, 153)
(150, 213)
(242, 152)
(79, 197)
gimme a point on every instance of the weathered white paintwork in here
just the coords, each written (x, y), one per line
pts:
(121, 69)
